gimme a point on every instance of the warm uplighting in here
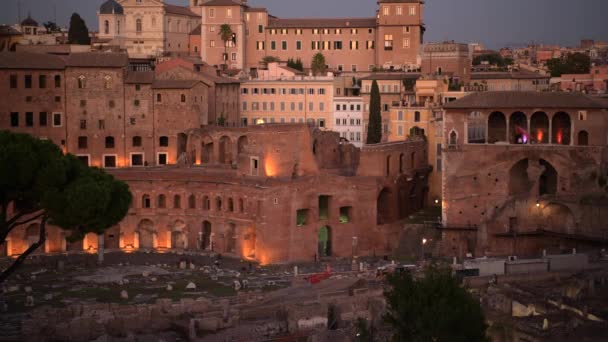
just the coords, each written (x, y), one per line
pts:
(259, 121)
(424, 241)
(537, 204)
(436, 201)
(539, 136)
(560, 136)
(270, 166)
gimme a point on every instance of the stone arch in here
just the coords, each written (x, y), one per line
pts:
(242, 143)
(518, 128)
(539, 128)
(583, 138)
(383, 207)
(559, 218)
(182, 145)
(191, 202)
(161, 201)
(453, 138)
(178, 235)
(497, 128)
(206, 236)
(147, 233)
(547, 183)
(231, 238)
(561, 128)
(145, 201)
(207, 151)
(324, 242)
(519, 183)
(225, 156)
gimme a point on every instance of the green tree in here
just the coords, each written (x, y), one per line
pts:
(78, 32)
(43, 185)
(295, 64)
(226, 35)
(318, 64)
(572, 63)
(269, 59)
(493, 59)
(51, 27)
(434, 308)
(374, 128)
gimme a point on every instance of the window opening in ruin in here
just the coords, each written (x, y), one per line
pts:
(177, 202)
(453, 138)
(561, 129)
(192, 202)
(583, 138)
(539, 128)
(324, 207)
(383, 207)
(162, 159)
(476, 128)
(218, 203)
(301, 217)
(206, 236)
(206, 203)
(547, 184)
(163, 141)
(497, 128)
(109, 161)
(241, 205)
(254, 166)
(518, 129)
(230, 205)
(137, 159)
(345, 214)
(161, 201)
(145, 201)
(324, 244)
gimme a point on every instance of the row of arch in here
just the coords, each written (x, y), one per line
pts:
(161, 202)
(518, 129)
(227, 149)
(411, 162)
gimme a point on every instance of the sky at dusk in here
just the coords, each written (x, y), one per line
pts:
(495, 23)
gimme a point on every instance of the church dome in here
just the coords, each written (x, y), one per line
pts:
(29, 22)
(111, 7)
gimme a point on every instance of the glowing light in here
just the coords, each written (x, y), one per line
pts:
(270, 166)
(424, 241)
(436, 201)
(259, 121)
(539, 135)
(537, 204)
(560, 136)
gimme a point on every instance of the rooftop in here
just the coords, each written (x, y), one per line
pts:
(111, 7)
(322, 23)
(30, 60)
(392, 76)
(97, 60)
(500, 75)
(180, 10)
(524, 99)
(174, 84)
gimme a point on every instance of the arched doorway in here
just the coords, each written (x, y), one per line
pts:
(206, 237)
(324, 245)
(225, 150)
(559, 219)
(518, 128)
(583, 138)
(178, 236)
(383, 207)
(547, 184)
(497, 128)
(182, 144)
(146, 234)
(539, 128)
(519, 183)
(242, 144)
(561, 128)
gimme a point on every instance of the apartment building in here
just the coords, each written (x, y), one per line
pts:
(348, 119)
(282, 95)
(390, 40)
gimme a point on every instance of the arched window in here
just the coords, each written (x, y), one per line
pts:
(138, 26)
(218, 203)
(497, 128)
(145, 201)
(192, 202)
(453, 138)
(161, 201)
(206, 203)
(560, 129)
(476, 128)
(137, 141)
(106, 27)
(539, 128)
(230, 205)
(109, 142)
(518, 128)
(163, 141)
(82, 82)
(177, 201)
(159, 98)
(416, 116)
(118, 27)
(583, 138)
(241, 205)
(183, 98)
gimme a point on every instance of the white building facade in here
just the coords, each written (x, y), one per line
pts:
(348, 119)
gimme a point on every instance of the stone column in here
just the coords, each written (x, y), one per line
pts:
(550, 133)
(100, 250)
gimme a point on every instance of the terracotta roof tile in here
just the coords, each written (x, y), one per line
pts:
(140, 77)
(97, 60)
(221, 3)
(524, 99)
(30, 60)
